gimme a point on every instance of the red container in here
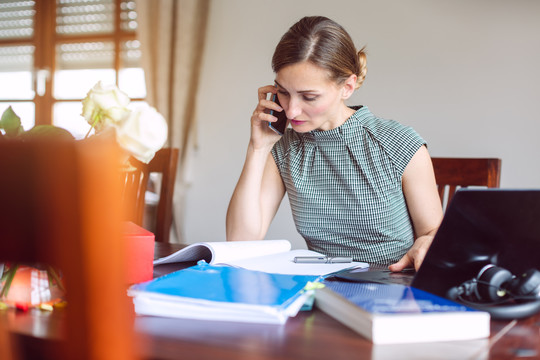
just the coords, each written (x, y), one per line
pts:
(140, 253)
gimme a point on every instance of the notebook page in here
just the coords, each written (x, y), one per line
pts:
(283, 263)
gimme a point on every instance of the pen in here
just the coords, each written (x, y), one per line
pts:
(322, 259)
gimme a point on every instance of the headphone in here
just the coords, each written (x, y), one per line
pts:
(498, 292)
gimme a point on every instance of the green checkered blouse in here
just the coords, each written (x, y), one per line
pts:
(344, 186)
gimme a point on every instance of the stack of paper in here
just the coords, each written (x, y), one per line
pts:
(223, 293)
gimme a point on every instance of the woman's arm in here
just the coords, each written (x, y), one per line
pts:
(420, 190)
(256, 198)
(260, 189)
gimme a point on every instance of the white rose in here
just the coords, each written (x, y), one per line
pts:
(142, 132)
(105, 106)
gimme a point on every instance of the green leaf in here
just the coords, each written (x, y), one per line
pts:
(11, 123)
(9, 280)
(48, 131)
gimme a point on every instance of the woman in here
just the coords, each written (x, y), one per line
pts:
(358, 185)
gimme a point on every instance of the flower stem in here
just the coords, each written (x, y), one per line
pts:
(97, 118)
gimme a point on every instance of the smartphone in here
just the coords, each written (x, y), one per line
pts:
(280, 125)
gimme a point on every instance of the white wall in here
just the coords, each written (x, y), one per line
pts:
(465, 74)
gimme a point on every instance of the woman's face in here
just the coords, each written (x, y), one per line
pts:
(310, 99)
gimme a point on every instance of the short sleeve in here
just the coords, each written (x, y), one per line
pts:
(400, 142)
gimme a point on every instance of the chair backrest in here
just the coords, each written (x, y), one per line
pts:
(60, 205)
(165, 163)
(452, 174)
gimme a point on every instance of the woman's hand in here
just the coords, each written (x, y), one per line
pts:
(262, 137)
(415, 255)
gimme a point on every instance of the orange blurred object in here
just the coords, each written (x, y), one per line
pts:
(61, 206)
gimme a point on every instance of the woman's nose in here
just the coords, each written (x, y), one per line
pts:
(294, 109)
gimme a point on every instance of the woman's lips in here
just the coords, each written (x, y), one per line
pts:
(297, 122)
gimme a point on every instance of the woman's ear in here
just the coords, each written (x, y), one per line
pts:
(349, 86)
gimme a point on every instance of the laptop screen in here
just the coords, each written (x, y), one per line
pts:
(482, 226)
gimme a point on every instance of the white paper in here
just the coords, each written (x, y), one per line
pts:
(283, 263)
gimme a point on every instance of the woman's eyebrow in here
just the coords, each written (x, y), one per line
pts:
(300, 92)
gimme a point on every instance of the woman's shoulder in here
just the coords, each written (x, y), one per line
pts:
(400, 142)
(369, 120)
(382, 127)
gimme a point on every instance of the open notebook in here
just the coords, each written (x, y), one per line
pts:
(271, 256)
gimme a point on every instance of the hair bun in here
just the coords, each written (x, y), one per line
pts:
(362, 60)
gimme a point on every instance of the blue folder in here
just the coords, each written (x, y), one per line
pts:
(222, 293)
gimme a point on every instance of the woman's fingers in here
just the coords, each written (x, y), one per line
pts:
(262, 137)
(265, 90)
(262, 111)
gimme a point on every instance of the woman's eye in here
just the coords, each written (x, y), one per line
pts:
(284, 93)
(310, 98)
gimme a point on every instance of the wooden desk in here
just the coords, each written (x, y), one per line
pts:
(310, 335)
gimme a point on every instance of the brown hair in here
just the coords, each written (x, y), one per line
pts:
(324, 43)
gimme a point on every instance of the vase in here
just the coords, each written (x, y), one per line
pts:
(24, 286)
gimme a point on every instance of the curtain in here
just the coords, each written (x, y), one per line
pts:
(172, 36)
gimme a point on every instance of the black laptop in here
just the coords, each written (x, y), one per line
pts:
(480, 227)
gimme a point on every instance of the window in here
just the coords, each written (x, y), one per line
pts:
(53, 52)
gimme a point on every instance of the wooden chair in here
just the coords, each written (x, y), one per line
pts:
(452, 174)
(136, 184)
(61, 206)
